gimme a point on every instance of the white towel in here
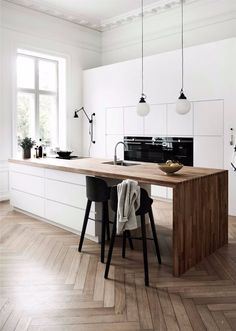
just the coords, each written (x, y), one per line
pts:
(128, 193)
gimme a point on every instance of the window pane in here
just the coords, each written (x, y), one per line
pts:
(47, 75)
(48, 119)
(25, 115)
(25, 72)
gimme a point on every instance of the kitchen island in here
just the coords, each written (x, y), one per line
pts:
(54, 190)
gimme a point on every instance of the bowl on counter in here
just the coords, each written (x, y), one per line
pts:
(64, 154)
(169, 168)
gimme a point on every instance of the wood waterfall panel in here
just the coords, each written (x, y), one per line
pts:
(200, 221)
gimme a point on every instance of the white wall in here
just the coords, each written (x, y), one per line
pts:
(204, 21)
(27, 29)
(210, 73)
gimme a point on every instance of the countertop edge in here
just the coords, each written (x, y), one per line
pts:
(99, 173)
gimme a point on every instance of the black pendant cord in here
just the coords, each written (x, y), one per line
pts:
(142, 44)
(182, 42)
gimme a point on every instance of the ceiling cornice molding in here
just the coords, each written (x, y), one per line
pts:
(67, 33)
(131, 41)
(156, 8)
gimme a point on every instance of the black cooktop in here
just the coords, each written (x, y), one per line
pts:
(71, 157)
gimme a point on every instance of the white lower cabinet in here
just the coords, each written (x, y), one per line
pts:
(56, 196)
(161, 192)
(169, 193)
(30, 203)
(27, 183)
(68, 216)
(67, 177)
(66, 193)
(158, 191)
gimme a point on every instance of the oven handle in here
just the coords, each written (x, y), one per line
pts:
(131, 143)
(137, 141)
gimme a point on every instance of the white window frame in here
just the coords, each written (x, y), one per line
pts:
(37, 92)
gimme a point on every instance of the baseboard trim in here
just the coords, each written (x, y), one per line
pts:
(93, 238)
(4, 197)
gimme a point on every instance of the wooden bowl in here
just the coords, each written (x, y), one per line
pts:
(170, 169)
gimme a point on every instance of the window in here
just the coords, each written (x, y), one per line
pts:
(38, 98)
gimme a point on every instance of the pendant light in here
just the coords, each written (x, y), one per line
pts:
(182, 105)
(142, 107)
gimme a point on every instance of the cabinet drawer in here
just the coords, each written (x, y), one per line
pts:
(27, 183)
(67, 193)
(68, 216)
(25, 169)
(27, 202)
(159, 191)
(170, 193)
(64, 176)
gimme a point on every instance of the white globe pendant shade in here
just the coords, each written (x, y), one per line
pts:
(142, 108)
(183, 106)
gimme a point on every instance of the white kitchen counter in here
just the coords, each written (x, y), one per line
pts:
(55, 196)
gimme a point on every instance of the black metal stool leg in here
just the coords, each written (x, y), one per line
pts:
(86, 216)
(107, 220)
(113, 236)
(104, 222)
(145, 258)
(123, 244)
(130, 239)
(154, 234)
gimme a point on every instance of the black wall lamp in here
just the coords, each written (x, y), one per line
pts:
(90, 122)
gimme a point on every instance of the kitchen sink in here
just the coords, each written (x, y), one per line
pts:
(121, 163)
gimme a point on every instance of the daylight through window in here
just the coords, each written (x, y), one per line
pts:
(37, 98)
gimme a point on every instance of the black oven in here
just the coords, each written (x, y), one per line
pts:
(159, 149)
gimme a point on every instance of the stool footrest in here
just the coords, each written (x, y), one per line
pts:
(140, 238)
(99, 221)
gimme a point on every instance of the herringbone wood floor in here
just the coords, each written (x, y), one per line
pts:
(47, 285)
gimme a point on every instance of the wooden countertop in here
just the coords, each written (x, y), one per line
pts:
(143, 172)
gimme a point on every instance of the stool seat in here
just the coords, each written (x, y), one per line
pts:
(145, 207)
(97, 189)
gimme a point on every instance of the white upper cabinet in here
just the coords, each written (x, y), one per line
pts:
(114, 120)
(209, 118)
(155, 122)
(208, 152)
(133, 123)
(177, 124)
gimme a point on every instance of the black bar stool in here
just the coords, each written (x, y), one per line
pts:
(145, 207)
(97, 190)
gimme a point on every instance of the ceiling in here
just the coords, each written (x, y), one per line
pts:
(98, 14)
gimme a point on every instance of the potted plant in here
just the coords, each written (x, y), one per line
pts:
(26, 144)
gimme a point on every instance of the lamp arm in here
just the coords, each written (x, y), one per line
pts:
(82, 108)
(90, 122)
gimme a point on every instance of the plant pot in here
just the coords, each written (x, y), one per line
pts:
(27, 153)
